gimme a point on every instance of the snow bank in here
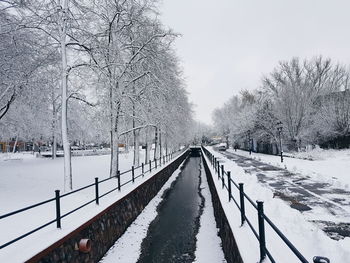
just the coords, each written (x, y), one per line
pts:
(208, 246)
(305, 236)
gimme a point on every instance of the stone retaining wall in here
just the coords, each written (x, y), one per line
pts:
(229, 244)
(104, 229)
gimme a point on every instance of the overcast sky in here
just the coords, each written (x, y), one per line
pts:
(227, 45)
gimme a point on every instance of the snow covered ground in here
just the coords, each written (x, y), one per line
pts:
(28, 180)
(330, 166)
(25, 179)
(208, 246)
(306, 236)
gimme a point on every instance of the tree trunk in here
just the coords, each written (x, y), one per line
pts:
(115, 155)
(126, 138)
(68, 180)
(54, 146)
(115, 158)
(156, 144)
(15, 145)
(137, 149)
(54, 118)
(160, 143)
(135, 134)
(166, 144)
(111, 131)
(148, 147)
(112, 152)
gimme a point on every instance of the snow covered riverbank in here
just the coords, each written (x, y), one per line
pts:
(305, 235)
(42, 175)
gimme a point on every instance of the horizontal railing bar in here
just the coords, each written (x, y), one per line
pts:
(107, 179)
(77, 190)
(138, 176)
(110, 191)
(250, 201)
(125, 172)
(285, 239)
(26, 234)
(26, 208)
(236, 185)
(251, 227)
(126, 183)
(137, 167)
(239, 208)
(78, 208)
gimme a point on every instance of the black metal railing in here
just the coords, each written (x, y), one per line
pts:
(139, 170)
(227, 182)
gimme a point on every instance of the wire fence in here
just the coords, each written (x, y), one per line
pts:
(260, 234)
(122, 180)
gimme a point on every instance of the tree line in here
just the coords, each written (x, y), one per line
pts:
(310, 97)
(91, 71)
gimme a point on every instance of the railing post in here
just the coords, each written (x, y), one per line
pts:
(150, 165)
(96, 191)
(118, 176)
(214, 164)
(222, 169)
(223, 181)
(143, 169)
(217, 168)
(58, 209)
(155, 163)
(241, 197)
(133, 174)
(229, 185)
(261, 230)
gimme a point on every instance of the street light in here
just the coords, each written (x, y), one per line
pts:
(279, 129)
(249, 143)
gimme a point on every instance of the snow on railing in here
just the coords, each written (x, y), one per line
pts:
(140, 170)
(259, 207)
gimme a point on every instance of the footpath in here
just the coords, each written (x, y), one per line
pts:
(320, 202)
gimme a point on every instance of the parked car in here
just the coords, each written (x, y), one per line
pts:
(222, 147)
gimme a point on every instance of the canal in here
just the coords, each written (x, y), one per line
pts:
(171, 236)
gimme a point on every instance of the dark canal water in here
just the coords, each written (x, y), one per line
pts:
(171, 236)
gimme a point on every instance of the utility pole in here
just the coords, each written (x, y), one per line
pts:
(279, 129)
(249, 143)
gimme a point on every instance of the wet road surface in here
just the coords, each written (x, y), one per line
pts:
(171, 236)
(304, 195)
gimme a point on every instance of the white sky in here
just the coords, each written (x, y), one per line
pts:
(228, 45)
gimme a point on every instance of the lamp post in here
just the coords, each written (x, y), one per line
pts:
(279, 129)
(249, 143)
